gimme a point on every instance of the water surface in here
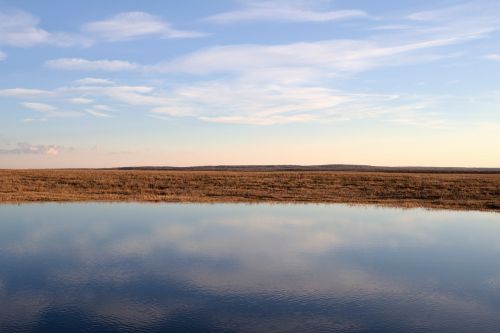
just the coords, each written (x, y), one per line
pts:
(247, 268)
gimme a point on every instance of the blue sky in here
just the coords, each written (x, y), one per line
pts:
(112, 83)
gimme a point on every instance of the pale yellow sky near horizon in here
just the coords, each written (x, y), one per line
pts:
(436, 148)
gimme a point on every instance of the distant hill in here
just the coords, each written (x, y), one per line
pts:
(326, 167)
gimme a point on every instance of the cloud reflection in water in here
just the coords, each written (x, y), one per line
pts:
(248, 268)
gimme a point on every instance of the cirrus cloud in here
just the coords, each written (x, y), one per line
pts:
(274, 83)
(495, 57)
(94, 81)
(49, 110)
(21, 29)
(80, 64)
(132, 25)
(80, 100)
(97, 114)
(24, 92)
(281, 11)
(41, 107)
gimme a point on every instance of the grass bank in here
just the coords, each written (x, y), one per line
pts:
(464, 191)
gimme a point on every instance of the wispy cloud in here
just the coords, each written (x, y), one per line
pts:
(269, 84)
(81, 100)
(94, 81)
(25, 148)
(24, 92)
(130, 95)
(49, 110)
(243, 101)
(474, 18)
(445, 13)
(102, 107)
(495, 57)
(79, 64)
(259, 120)
(132, 25)
(2, 56)
(276, 14)
(21, 29)
(282, 83)
(281, 11)
(40, 107)
(251, 100)
(389, 27)
(98, 114)
(330, 56)
(31, 120)
(265, 84)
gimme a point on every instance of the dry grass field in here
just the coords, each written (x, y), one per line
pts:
(464, 191)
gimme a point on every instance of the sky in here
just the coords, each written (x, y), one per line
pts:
(197, 82)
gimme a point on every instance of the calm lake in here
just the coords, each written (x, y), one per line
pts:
(247, 268)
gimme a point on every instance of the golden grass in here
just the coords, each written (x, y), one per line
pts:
(431, 190)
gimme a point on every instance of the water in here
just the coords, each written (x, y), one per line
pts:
(247, 268)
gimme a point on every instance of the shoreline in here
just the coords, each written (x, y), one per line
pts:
(254, 203)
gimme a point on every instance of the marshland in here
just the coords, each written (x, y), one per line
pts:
(443, 190)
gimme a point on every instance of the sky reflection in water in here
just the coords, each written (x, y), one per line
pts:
(247, 268)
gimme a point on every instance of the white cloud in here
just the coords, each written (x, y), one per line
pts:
(324, 57)
(265, 85)
(281, 11)
(477, 18)
(40, 107)
(244, 101)
(441, 14)
(52, 151)
(393, 27)
(258, 120)
(249, 99)
(24, 148)
(81, 100)
(94, 81)
(130, 95)
(131, 25)
(24, 92)
(30, 120)
(98, 114)
(102, 107)
(2, 56)
(20, 29)
(49, 110)
(495, 57)
(268, 84)
(221, 101)
(80, 64)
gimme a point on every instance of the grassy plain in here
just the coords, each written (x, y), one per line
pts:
(464, 191)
